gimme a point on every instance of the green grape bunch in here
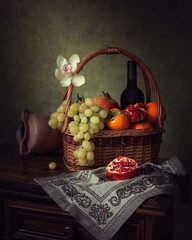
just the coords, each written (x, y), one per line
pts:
(87, 119)
(57, 118)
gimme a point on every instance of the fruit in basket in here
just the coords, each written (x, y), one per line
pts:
(136, 112)
(105, 101)
(152, 112)
(87, 118)
(117, 120)
(122, 168)
(141, 125)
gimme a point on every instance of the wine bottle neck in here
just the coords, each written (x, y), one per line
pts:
(131, 74)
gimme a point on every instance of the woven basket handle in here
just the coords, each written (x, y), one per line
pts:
(150, 83)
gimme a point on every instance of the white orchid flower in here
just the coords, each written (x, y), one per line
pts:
(66, 71)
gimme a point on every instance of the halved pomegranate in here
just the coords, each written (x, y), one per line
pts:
(122, 168)
(136, 112)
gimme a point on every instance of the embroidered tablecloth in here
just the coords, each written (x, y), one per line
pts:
(102, 206)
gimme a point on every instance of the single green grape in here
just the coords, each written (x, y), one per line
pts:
(52, 165)
(91, 131)
(86, 145)
(89, 102)
(54, 115)
(90, 155)
(53, 123)
(61, 117)
(61, 108)
(71, 113)
(80, 135)
(94, 119)
(81, 153)
(74, 107)
(84, 127)
(76, 118)
(76, 139)
(103, 113)
(82, 107)
(88, 112)
(87, 135)
(74, 129)
(82, 162)
(72, 124)
(95, 127)
(95, 108)
(84, 119)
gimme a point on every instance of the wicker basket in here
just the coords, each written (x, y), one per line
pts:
(141, 145)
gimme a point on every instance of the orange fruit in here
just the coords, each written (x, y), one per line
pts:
(141, 125)
(152, 112)
(117, 120)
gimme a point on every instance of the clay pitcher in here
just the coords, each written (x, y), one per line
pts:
(34, 135)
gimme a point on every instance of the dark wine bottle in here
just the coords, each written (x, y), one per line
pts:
(131, 94)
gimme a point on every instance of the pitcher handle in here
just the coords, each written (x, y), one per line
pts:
(22, 132)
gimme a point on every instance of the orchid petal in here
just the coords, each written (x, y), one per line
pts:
(58, 74)
(66, 82)
(61, 61)
(74, 60)
(78, 80)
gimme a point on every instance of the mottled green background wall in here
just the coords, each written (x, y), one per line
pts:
(34, 32)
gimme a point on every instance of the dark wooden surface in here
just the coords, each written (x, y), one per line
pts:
(27, 212)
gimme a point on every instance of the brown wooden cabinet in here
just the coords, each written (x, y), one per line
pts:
(27, 212)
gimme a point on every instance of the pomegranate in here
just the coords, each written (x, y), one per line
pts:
(136, 112)
(122, 168)
(105, 101)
